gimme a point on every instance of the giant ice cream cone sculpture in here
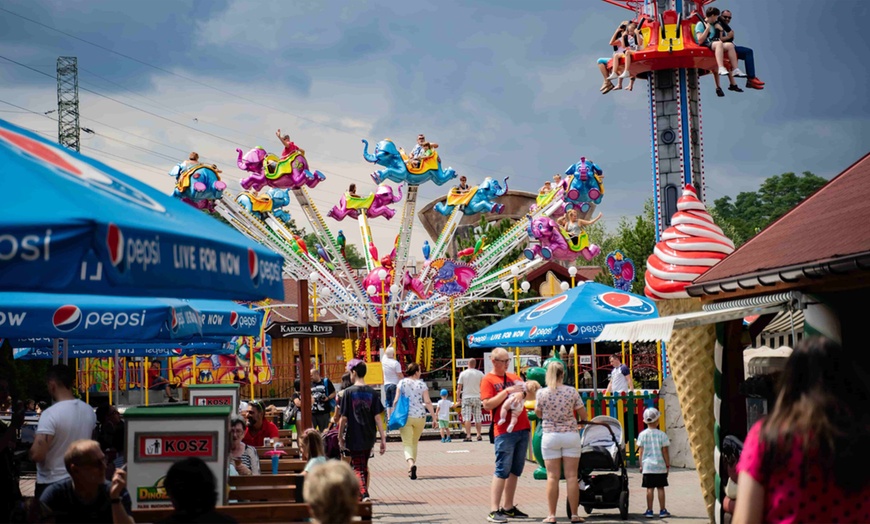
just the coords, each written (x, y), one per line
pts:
(691, 246)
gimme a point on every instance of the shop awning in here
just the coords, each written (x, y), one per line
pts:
(661, 328)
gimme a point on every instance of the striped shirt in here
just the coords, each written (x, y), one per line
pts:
(652, 441)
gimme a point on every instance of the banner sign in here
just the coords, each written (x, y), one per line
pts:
(215, 400)
(307, 330)
(162, 446)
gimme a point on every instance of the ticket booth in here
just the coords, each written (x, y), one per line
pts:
(204, 395)
(159, 436)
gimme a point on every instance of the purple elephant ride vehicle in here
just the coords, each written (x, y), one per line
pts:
(374, 205)
(476, 200)
(266, 169)
(199, 185)
(586, 186)
(555, 242)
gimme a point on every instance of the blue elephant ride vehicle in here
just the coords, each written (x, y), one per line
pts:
(476, 200)
(398, 167)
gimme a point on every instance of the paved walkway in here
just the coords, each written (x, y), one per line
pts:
(454, 480)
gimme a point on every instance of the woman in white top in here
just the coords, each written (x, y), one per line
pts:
(418, 403)
(557, 407)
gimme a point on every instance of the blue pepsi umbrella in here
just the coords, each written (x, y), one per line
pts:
(576, 316)
(83, 317)
(155, 350)
(226, 318)
(74, 225)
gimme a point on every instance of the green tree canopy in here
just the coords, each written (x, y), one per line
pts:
(751, 211)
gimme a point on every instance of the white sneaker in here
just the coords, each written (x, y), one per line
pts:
(738, 73)
(625, 74)
(723, 71)
(612, 76)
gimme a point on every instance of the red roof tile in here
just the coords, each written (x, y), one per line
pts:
(833, 222)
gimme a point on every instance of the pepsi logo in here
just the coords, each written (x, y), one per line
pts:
(471, 339)
(173, 323)
(234, 320)
(115, 244)
(253, 265)
(573, 329)
(67, 318)
(533, 331)
(624, 303)
(544, 308)
(63, 163)
(177, 351)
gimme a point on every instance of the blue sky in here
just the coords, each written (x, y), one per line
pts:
(505, 88)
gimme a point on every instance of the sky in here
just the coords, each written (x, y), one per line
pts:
(507, 88)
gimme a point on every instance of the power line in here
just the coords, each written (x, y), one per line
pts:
(212, 87)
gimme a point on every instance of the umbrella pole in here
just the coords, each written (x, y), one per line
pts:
(87, 380)
(110, 386)
(65, 352)
(117, 386)
(631, 363)
(576, 370)
(452, 347)
(594, 370)
(251, 370)
(147, 367)
(54, 352)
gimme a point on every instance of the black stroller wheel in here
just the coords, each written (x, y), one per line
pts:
(587, 509)
(623, 505)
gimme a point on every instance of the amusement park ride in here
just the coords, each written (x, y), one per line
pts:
(386, 295)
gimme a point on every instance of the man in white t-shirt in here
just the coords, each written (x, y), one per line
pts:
(67, 420)
(468, 389)
(392, 375)
(620, 378)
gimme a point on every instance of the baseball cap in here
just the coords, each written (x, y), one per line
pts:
(443, 392)
(650, 415)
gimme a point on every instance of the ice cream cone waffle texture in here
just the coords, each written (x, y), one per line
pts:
(690, 352)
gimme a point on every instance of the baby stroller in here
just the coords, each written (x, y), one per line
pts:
(603, 450)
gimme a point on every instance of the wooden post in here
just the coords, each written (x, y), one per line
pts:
(304, 361)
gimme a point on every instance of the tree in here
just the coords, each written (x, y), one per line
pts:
(750, 212)
(635, 237)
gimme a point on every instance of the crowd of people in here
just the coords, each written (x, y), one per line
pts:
(811, 443)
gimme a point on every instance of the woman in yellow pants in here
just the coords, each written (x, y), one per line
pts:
(418, 403)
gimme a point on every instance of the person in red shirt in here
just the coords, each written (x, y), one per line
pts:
(258, 427)
(289, 147)
(510, 447)
(807, 461)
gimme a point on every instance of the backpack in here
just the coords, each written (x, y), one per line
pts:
(330, 444)
(332, 401)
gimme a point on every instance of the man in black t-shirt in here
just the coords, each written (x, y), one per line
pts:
(743, 53)
(87, 496)
(362, 417)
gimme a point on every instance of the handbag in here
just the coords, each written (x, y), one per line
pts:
(399, 416)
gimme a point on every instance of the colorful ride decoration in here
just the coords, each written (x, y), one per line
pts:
(226, 369)
(585, 185)
(413, 285)
(374, 205)
(272, 201)
(199, 185)
(542, 200)
(692, 245)
(553, 242)
(452, 278)
(471, 253)
(477, 199)
(399, 169)
(621, 269)
(267, 169)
